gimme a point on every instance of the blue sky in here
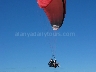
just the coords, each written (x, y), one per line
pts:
(21, 53)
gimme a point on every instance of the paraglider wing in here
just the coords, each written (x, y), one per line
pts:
(55, 11)
(43, 3)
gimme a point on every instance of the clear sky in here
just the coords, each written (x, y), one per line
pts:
(22, 49)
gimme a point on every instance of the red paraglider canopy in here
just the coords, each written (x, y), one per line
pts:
(55, 11)
(43, 3)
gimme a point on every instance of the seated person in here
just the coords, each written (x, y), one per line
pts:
(52, 63)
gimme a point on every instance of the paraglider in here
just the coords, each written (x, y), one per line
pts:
(53, 63)
(55, 10)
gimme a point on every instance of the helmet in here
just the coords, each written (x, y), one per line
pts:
(51, 60)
